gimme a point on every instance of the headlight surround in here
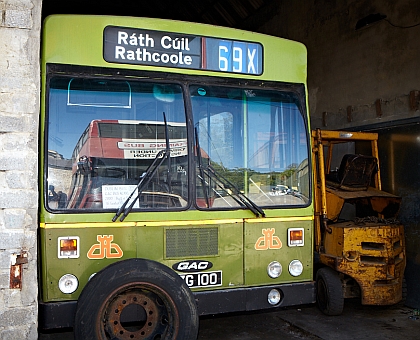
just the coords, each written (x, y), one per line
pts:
(68, 283)
(295, 268)
(274, 269)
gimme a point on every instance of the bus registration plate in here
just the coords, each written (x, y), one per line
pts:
(203, 279)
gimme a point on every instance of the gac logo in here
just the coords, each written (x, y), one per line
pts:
(192, 266)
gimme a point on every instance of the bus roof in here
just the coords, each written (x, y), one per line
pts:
(87, 40)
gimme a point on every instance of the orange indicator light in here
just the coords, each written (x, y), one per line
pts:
(68, 247)
(295, 237)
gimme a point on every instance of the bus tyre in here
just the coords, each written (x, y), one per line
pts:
(136, 299)
(329, 291)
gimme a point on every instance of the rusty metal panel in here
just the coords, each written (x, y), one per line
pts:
(373, 254)
(16, 276)
(334, 241)
(379, 201)
(16, 270)
(334, 205)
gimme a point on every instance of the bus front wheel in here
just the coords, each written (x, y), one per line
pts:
(136, 299)
(329, 291)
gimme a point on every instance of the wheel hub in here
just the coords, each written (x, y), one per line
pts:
(147, 320)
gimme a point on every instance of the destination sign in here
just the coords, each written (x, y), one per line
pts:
(157, 48)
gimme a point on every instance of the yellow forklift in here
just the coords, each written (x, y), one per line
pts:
(359, 244)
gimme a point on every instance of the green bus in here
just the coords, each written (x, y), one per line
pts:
(174, 177)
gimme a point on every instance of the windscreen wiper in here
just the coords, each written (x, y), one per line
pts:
(209, 172)
(245, 200)
(145, 178)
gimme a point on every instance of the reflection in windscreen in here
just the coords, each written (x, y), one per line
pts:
(104, 134)
(254, 139)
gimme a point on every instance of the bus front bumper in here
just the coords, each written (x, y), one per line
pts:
(53, 315)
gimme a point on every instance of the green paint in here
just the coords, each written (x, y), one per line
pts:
(77, 40)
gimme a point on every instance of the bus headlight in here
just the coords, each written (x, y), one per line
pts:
(274, 269)
(295, 268)
(274, 297)
(68, 283)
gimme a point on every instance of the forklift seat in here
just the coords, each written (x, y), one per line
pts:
(355, 172)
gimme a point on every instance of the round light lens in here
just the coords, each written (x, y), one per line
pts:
(274, 297)
(68, 283)
(274, 269)
(295, 268)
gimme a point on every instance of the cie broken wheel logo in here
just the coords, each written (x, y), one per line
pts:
(268, 241)
(105, 248)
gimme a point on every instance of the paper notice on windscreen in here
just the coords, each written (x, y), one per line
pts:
(114, 196)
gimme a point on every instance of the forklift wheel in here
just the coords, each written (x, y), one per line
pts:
(329, 295)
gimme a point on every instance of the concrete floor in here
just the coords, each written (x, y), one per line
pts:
(358, 322)
(307, 322)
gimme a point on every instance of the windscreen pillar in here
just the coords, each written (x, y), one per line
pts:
(20, 27)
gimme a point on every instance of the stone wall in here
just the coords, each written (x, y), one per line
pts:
(355, 77)
(19, 112)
